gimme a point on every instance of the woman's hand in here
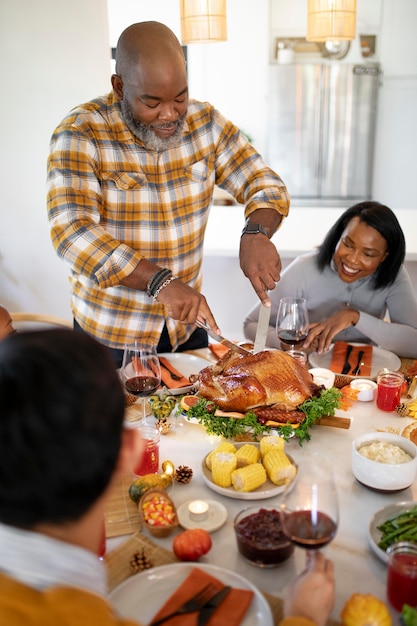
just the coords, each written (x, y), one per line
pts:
(321, 335)
(311, 595)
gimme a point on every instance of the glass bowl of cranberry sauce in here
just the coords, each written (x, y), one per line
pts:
(260, 538)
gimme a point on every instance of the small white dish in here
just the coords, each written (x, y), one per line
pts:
(384, 477)
(323, 376)
(388, 512)
(217, 515)
(367, 389)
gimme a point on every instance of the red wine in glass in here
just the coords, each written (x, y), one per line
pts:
(141, 372)
(292, 321)
(292, 338)
(310, 509)
(309, 529)
(142, 386)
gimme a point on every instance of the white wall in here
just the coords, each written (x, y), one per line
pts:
(56, 55)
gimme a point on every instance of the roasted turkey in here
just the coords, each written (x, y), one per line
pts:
(270, 383)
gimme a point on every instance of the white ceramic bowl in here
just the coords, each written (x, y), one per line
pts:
(323, 376)
(384, 476)
(367, 389)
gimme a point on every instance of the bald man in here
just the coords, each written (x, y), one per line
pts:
(131, 177)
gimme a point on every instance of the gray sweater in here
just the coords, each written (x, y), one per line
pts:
(326, 294)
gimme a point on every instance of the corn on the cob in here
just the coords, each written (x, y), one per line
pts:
(278, 467)
(249, 478)
(225, 446)
(271, 442)
(247, 454)
(222, 466)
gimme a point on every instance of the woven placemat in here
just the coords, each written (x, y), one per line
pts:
(408, 367)
(148, 554)
(121, 515)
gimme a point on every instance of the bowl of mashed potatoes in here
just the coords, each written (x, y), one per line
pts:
(384, 461)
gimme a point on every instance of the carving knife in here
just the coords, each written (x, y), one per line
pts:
(262, 328)
(212, 605)
(220, 339)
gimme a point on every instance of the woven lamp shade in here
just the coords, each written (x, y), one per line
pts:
(203, 21)
(331, 20)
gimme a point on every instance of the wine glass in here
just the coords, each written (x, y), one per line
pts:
(141, 372)
(310, 509)
(292, 321)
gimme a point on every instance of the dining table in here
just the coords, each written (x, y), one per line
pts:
(358, 569)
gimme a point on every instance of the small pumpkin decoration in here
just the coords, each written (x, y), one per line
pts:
(365, 610)
(191, 544)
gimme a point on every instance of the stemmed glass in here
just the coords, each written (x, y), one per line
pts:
(310, 509)
(141, 372)
(292, 321)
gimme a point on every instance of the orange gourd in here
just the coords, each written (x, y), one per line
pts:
(365, 610)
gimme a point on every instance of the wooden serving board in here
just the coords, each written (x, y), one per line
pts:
(337, 422)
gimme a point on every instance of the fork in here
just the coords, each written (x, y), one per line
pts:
(357, 369)
(194, 604)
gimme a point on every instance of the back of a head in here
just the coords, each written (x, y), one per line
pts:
(61, 418)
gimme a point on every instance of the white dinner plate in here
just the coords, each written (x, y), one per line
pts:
(380, 359)
(267, 490)
(186, 364)
(142, 595)
(381, 516)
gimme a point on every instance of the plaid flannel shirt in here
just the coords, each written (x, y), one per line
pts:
(112, 202)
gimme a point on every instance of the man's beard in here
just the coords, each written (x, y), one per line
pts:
(146, 133)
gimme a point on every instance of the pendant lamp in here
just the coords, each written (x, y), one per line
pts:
(203, 21)
(331, 20)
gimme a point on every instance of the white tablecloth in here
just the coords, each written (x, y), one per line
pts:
(358, 570)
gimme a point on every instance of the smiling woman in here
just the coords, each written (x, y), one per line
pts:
(352, 284)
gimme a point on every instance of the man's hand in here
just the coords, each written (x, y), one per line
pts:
(321, 335)
(185, 304)
(261, 263)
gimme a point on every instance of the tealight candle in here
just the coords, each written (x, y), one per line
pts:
(198, 510)
(366, 389)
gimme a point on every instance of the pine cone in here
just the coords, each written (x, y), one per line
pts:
(402, 409)
(140, 562)
(183, 474)
(163, 425)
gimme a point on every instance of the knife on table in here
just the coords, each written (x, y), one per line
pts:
(262, 328)
(220, 339)
(347, 365)
(212, 605)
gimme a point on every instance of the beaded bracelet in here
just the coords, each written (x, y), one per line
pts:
(156, 280)
(164, 284)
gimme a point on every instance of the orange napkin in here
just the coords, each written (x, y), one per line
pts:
(166, 378)
(339, 357)
(231, 611)
(218, 349)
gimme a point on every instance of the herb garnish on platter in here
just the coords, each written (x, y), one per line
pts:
(314, 408)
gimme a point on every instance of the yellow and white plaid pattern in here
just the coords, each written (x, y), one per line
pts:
(112, 202)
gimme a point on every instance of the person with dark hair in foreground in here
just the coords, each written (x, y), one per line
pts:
(62, 444)
(352, 283)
